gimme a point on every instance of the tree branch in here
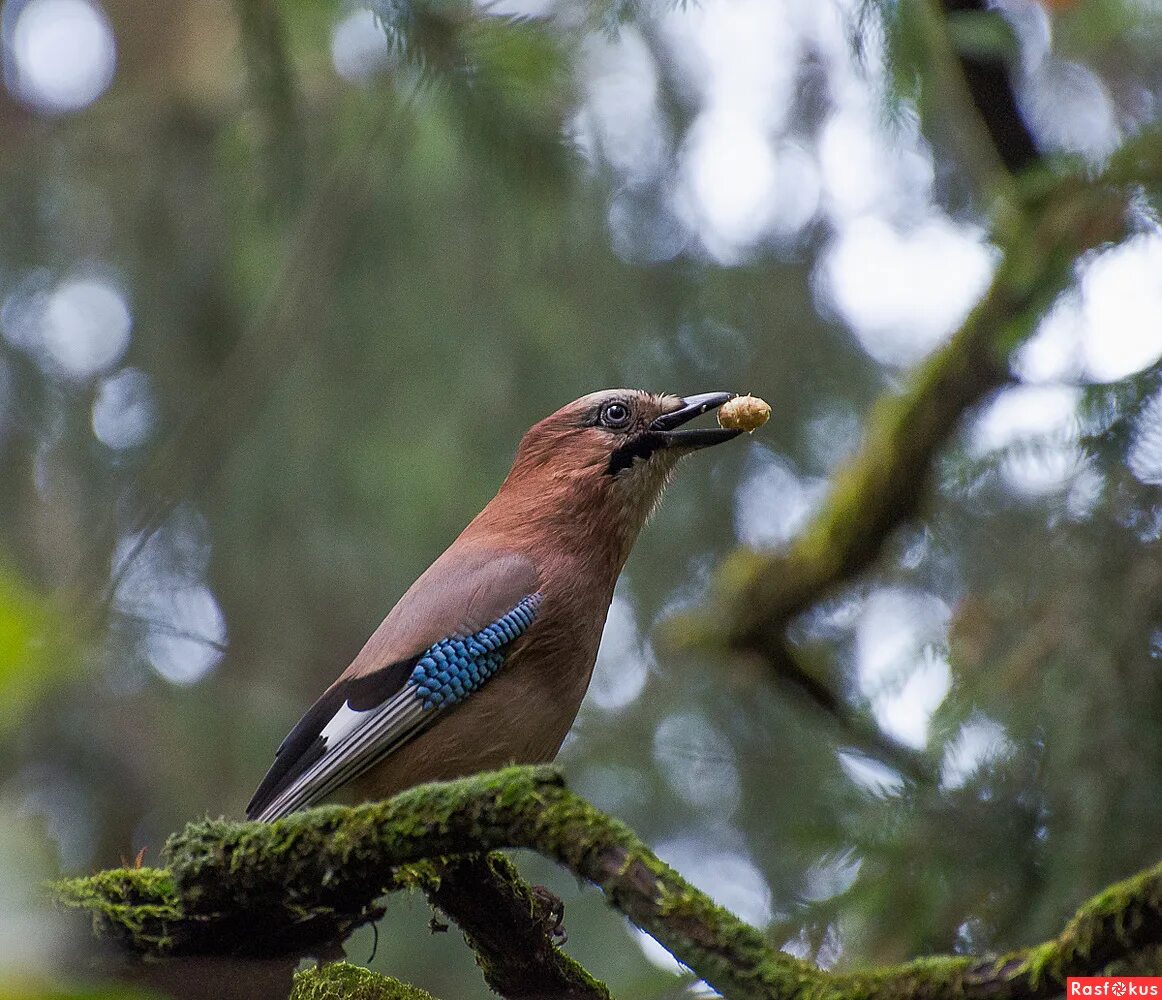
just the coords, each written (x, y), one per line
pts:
(275, 92)
(324, 868)
(350, 982)
(989, 86)
(883, 485)
(509, 928)
(1044, 224)
(316, 874)
(503, 920)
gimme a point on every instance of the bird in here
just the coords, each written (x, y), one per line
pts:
(486, 658)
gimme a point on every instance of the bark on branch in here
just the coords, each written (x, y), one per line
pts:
(510, 928)
(319, 872)
(1040, 240)
(1043, 225)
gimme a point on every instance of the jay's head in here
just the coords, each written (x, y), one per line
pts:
(613, 451)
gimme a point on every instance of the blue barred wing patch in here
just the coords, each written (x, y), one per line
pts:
(453, 668)
(355, 739)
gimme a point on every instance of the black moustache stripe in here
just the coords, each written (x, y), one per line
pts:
(642, 446)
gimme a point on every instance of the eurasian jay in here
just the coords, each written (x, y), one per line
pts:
(484, 661)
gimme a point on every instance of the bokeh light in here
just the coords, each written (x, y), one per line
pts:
(60, 55)
(359, 46)
(75, 329)
(123, 409)
(903, 670)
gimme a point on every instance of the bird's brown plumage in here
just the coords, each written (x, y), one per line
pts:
(561, 525)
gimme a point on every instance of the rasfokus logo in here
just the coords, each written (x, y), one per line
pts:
(1113, 986)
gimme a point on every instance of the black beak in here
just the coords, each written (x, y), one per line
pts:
(693, 406)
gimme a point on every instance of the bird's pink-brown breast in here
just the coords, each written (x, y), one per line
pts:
(526, 709)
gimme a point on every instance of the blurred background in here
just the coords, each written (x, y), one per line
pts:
(281, 285)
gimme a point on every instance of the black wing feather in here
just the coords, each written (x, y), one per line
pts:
(304, 744)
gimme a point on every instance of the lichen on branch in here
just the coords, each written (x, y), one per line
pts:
(324, 868)
(1040, 238)
(510, 928)
(341, 981)
(331, 859)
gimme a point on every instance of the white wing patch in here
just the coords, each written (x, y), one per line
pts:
(354, 742)
(343, 723)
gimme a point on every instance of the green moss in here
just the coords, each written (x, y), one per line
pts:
(506, 924)
(1143, 889)
(422, 875)
(314, 875)
(1041, 962)
(939, 977)
(137, 906)
(1113, 914)
(341, 981)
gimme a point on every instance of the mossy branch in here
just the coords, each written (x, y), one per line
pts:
(508, 925)
(341, 981)
(320, 871)
(317, 874)
(882, 486)
(510, 928)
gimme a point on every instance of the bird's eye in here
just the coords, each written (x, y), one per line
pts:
(615, 415)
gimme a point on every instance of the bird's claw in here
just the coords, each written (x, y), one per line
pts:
(550, 913)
